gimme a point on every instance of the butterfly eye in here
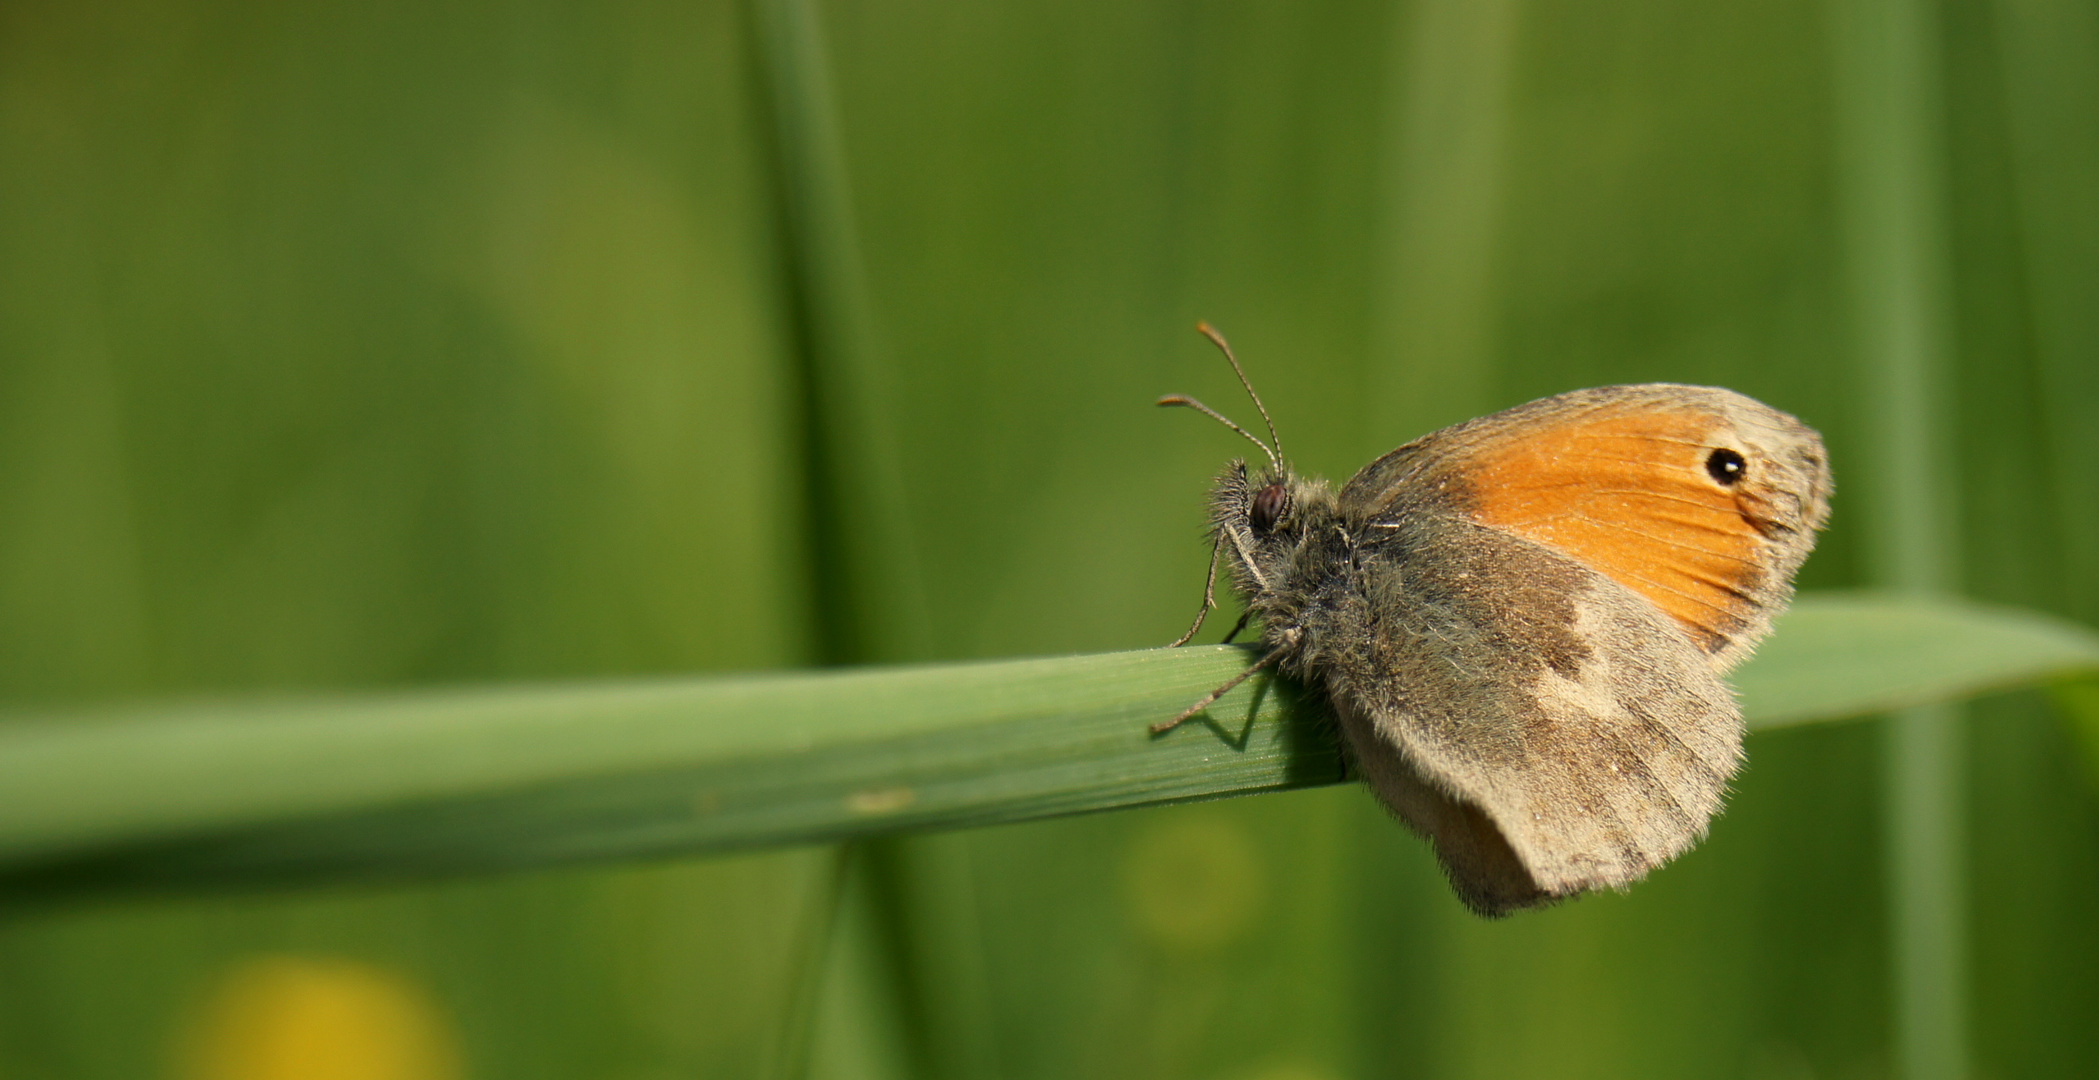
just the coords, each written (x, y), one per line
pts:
(1726, 467)
(1268, 507)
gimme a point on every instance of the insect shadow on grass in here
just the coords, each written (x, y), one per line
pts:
(1309, 737)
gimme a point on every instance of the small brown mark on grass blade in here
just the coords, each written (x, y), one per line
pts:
(880, 800)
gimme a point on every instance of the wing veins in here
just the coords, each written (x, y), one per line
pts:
(1627, 491)
(1661, 540)
(1699, 600)
(1641, 438)
(1661, 495)
(1614, 525)
(1699, 578)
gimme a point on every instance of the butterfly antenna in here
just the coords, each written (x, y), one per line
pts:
(1189, 402)
(1217, 339)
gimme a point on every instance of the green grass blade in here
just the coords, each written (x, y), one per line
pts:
(449, 782)
(463, 781)
(1840, 656)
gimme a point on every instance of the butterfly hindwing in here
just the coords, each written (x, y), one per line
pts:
(1547, 729)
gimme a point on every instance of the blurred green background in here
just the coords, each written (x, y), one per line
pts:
(348, 345)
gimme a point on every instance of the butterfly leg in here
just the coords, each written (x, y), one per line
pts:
(1267, 661)
(1209, 599)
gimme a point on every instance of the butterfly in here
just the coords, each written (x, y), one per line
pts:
(1522, 621)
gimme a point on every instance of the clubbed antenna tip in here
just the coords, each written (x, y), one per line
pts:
(1223, 346)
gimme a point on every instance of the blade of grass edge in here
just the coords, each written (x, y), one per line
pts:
(464, 781)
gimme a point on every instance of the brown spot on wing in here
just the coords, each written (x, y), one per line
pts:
(1626, 492)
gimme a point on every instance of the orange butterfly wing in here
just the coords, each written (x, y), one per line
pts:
(1618, 479)
(1629, 496)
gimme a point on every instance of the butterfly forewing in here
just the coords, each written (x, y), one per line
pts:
(1623, 480)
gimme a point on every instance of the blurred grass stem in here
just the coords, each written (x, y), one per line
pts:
(865, 560)
(1890, 119)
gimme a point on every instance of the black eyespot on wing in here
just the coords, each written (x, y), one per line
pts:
(1726, 467)
(1269, 504)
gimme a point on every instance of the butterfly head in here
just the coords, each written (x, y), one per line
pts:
(1269, 508)
(1277, 531)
